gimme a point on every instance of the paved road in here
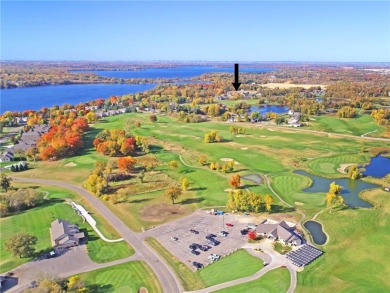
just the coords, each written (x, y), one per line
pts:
(168, 280)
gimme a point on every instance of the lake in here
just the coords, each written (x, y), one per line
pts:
(269, 108)
(34, 98)
(316, 232)
(351, 188)
(171, 72)
(378, 167)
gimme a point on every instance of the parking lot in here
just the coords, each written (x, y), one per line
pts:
(204, 223)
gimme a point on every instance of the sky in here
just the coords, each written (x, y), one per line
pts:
(210, 31)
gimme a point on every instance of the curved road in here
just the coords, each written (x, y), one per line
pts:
(168, 280)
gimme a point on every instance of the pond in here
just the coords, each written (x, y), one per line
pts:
(269, 108)
(34, 98)
(316, 232)
(378, 167)
(351, 188)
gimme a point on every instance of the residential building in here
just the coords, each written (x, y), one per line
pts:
(64, 234)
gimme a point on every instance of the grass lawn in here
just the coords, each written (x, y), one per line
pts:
(123, 278)
(328, 166)
(282, 249)
(275, 281)
(355, 126)
(355, 255)
(237, 265)
(37, 221)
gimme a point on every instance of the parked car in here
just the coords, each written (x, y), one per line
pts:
(193, 246)
(198, 265)
(174, 238)
(203, 247)
(194, 231)
(195, 252)
(214, 242)
(229, 225)
(244, 231)
(210, 236)
(223, 233)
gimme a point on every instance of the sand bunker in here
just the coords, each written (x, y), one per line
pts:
(226, 159)
(343, 168)
(270, 129)
(298, 203)
(163, 126)
(236, 163)
(244, 149)
(228, 189)
(263, 136)
(239, 136)
(71, 164)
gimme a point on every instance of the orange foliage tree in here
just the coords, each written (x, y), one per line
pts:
(235, 181)
(126, 163)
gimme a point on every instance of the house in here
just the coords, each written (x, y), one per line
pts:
(7, 156)
(283, 231)
(64, 234)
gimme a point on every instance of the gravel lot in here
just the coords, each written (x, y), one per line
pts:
(205, 224)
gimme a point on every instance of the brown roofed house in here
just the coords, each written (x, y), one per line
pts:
(65, 234)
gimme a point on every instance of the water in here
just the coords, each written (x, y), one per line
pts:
(351, 188)
(172, 72)
(269, 108)
(316, 232)
(378, 167)
(34, 98)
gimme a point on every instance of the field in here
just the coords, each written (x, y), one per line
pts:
(243, 263)
(262, 150)
(355, 254)
(127, 277)
(275, 281)
(37, 221)
(363, 124)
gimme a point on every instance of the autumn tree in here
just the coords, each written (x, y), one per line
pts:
(334, 195)
(185, 183)
(75, 284)
(5, 182)
(268, 201)
(235, 181)
(252, 235)
(173, 193)
(126, 164)
(153, 118)
(21, 244)
(202, 160)
(213, 136)
(173, 164)
(96, 184)
(354, 172)
(91, 117)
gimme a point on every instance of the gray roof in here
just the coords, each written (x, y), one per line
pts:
(280, 230)
(62, 231)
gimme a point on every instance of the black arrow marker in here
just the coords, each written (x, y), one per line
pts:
(236, 84)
